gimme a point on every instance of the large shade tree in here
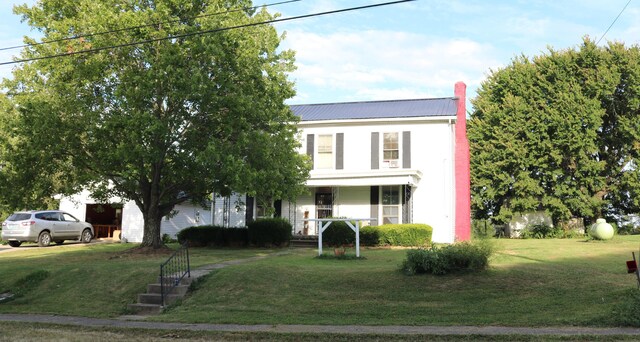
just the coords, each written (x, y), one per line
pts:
(159, 122)
(559, 132)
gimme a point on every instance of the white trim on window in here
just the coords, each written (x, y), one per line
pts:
(390, 212)
(386, 159)
(325, 151)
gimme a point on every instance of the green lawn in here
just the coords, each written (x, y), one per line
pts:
(95, 280)
(529, 283)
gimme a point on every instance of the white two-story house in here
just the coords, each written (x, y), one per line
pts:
(402, 161)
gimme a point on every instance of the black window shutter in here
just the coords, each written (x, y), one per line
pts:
(375, 150)
(375, 201)
(339, 151)
(406, 150)
(310, 147)
(277, 205)
(248, 210)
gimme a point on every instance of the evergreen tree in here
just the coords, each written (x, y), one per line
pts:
(558, 132)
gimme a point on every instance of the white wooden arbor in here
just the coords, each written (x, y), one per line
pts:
(325, 222)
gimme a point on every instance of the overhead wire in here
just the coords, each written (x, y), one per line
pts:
(614, 21)
(86, 35)
(222, 29)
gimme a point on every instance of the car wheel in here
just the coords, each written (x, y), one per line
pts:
(86, 236)
(44, 239)
(15, 243)
(59, 242)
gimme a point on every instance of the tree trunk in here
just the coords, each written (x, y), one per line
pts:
(151, 237)
(152, 216)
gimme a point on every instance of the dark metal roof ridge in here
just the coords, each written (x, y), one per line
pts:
(377, 101)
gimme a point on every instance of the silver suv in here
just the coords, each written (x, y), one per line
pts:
(44, 227)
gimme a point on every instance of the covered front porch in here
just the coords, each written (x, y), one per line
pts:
(386, 197)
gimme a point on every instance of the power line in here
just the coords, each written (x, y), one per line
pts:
(614, 21)
(83, 35)
(71, 53)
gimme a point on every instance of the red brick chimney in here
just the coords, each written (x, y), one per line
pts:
(463, 177)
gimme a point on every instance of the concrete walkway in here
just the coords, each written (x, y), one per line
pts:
(335, 329)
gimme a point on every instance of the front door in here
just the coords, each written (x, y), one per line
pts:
(324, 204)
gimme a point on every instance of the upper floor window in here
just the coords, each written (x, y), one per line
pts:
(325, 152)
(390, 150)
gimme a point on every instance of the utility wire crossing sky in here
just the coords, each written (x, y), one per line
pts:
(184, 35)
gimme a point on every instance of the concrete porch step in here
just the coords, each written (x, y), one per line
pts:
(156, 298)
(178, 290)
(150, 303)
(304, 241)
(184, 281)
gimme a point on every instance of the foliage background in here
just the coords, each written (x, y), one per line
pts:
(558, 132)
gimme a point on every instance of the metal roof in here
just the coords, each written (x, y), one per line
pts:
(377, 109)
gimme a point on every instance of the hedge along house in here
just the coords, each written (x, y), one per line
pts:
(402, 161)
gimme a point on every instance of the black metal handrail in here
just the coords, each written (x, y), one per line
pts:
(174, 270)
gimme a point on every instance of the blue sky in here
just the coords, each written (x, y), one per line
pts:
(417, 49)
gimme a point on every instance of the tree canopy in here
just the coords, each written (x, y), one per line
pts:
(166, 121)
(559, 132)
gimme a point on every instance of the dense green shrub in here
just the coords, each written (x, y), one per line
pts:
(462, 256)
(166, 239)
(269, 232)
(628, 229)
(201, 236)
(369, 236)
(408, 234)
(338, 234)
(542, 231)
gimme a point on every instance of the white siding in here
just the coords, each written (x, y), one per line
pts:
(303, 203)
(76, 205)
(519, 222)
(431, 154)
(132, 222)
(186, 215)
(237, 211)
(352, 202)
(433, 199)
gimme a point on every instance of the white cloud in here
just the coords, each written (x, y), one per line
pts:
(524, 26)
(374, 65)
(631, 34)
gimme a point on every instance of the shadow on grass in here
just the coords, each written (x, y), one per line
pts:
(346, 256)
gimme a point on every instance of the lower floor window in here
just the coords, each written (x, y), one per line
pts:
(261, 211)
(390, 204)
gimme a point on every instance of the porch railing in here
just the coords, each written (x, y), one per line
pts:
(174, 270)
